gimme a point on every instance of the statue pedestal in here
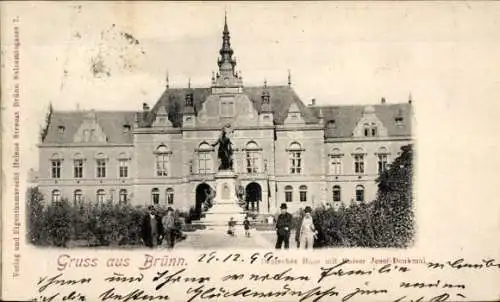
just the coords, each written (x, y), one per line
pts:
(225, 203)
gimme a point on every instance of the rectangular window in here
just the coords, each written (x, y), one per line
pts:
(162, 165)
(123, 172)
(360, 195)
(336, 164)
(359, 163)
(55, 168)
(204, 163)
(288, 196)
(382, 163)
(336, 194)
(252, 162)
(303, 196)
(101, 168)
(295, 162)
(78, 168)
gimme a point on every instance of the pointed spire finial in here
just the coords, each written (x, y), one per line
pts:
(189, 82)
(167, 84)
(265, 83)
(289, 78)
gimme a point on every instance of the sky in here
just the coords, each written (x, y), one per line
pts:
(111, 56)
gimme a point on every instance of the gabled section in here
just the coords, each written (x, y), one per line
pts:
(294, 116)
(369, 125)
(90, 131)
(161, 119)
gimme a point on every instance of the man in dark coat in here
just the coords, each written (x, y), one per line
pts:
(152, 228)
(283, 227)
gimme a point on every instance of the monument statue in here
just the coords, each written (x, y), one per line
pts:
(225, 152)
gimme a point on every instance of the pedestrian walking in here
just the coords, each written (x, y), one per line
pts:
(246, 226)
(152, 228)
(170, 227)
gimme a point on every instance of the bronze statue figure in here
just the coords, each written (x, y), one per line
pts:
(225, 152)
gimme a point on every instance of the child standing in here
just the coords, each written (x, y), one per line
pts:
(231, 225)
(246, 225)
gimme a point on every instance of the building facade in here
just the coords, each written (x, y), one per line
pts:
(284, 150)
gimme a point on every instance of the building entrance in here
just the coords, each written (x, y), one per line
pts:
(253, 193)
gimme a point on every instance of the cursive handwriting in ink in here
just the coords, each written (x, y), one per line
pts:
(283, 276)
(201, 292)
(337, 271)
(133, 295)
(265, 258)
(440, 298)
(117, 277)
(419, 284)
(177, 277)
(45, 282)
(363, 292)
(461, 264)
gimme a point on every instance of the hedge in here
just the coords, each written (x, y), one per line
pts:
(107, 224)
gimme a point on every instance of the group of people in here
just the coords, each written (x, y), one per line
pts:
(157, 229)
(305, 232)
(232, 223)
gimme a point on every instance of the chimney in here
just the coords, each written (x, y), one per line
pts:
(145, 106)
(382, 100)
(313, 102)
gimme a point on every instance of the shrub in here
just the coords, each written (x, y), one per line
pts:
(58, 223)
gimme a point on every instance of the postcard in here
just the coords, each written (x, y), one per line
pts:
(225, 151)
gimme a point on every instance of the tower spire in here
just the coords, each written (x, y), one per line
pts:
(289, 78)
(166, 81)
(226, 62)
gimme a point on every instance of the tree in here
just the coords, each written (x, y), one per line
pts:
(35, 215)
(393, 215)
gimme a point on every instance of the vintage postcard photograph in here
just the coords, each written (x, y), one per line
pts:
(282, 151)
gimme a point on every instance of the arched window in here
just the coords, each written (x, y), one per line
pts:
(295, 157)
(252, 157)
(336, 193)
(360, 193)
(204, 158)
(359, 161)
(77, 197)
(303, 193)
(100, 196)
(56, 196)
(123, 196)
(162, 159)
(288, 194)
(155, 196)
(169, 193)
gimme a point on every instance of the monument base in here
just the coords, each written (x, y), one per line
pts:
(225, 203)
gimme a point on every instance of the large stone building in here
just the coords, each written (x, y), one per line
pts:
(284, 150)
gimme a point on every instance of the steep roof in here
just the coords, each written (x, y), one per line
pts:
(347, 117)
(111, 122)
(281, 97)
